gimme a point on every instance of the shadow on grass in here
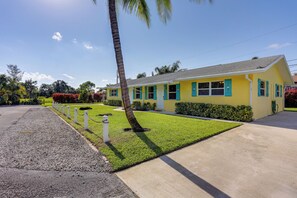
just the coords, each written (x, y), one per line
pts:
(154, 147)
(115, 151)
(201, 183)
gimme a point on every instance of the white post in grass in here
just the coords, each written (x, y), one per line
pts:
(68, 112)
(105, 129)
(63, 111)
(86, 119)
(75, 115)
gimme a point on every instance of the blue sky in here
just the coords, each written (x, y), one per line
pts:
(71, 39)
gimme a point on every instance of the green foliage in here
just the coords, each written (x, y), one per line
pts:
(167, 133)
(141, 75)
(143, 107)
(168, 68)
(226, 112)
(117, 103)
(34, 101)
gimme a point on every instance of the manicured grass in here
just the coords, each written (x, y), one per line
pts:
(167, 134)
(291, 109)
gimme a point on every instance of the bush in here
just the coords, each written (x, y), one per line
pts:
(226, 112)
(34, 101)
(117, 103)
(144, 107)
(65, 98)
(291, 98)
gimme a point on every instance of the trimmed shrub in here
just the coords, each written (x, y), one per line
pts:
(291, 98)
(65, 98)
(143, 107)
(227, 112)
(34, 101)
(117, 103)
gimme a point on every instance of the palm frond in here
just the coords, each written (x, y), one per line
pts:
(164, 10)
(140, 8)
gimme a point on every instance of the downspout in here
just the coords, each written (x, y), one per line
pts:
(251, 89)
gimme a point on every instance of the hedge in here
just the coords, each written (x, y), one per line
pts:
(117, 103)
(227, 112)
(291, 98)
(143, 107)
(65, 98)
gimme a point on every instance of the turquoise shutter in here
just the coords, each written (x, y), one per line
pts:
(145, 92)
(276, 90)
(178, 92)
(165, 92)
(281, 91)
(155, 92)
(228, 87)
(133, 93)
(194, 87)
(259, 87)
(140, 97)
(267, 88)
(117, 92)
(109, 92)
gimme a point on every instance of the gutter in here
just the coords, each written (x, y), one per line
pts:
(251, 89)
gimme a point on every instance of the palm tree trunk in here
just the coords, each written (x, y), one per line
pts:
(121, 69)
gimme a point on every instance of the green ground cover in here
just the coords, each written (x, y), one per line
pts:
(167, 133)
(291, 109)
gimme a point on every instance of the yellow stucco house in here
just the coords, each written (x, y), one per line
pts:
(255, 83)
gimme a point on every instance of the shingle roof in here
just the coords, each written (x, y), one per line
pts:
(236, 68)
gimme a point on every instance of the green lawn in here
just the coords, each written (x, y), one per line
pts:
(46, 102)
(167, 134)
(291, 109)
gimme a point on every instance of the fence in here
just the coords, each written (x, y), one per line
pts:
(66, 111)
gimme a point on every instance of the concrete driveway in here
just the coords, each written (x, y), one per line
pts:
(255, 160)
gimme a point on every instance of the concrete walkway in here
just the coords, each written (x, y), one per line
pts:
(254, 160)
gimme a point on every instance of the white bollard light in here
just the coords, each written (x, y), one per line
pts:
(68, 112)
(86, 119)
(105, 129)
(75, 115)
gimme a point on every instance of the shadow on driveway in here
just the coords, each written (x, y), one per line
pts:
(283, 119)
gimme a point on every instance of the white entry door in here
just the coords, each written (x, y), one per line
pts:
(160, 97)
(131, 95)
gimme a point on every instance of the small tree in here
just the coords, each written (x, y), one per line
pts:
(141, 75)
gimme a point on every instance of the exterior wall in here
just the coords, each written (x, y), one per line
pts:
(262, 104)
(118, 97)
(143, 100)
(240, 93)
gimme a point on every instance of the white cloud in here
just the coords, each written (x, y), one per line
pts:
(74, 41)
(57, 36)
(278, 45)
(68, 76)
(104, 80)
(39, 77)
(88, 46)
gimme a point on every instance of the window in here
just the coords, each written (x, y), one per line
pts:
(203, 89)
(217, 88)
(137, 93)
(211, 88)
(172, 92)
(262, 88)
(151, 92)
(113, 92)
(277, 94)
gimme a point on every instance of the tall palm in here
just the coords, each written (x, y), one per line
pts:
(141, 9)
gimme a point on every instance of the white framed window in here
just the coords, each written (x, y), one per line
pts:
(137, 92)
(113, 92)
(172, 92)
(203, 89)
(216, 88)
(151, 92)
(277, 94)
(262, 88)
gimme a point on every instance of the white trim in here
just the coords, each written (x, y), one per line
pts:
(251, 89)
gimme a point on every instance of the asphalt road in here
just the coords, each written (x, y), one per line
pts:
(41, 156)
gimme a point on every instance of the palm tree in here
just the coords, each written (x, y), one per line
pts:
(141, 75)
(168, 68)
(141, 9)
